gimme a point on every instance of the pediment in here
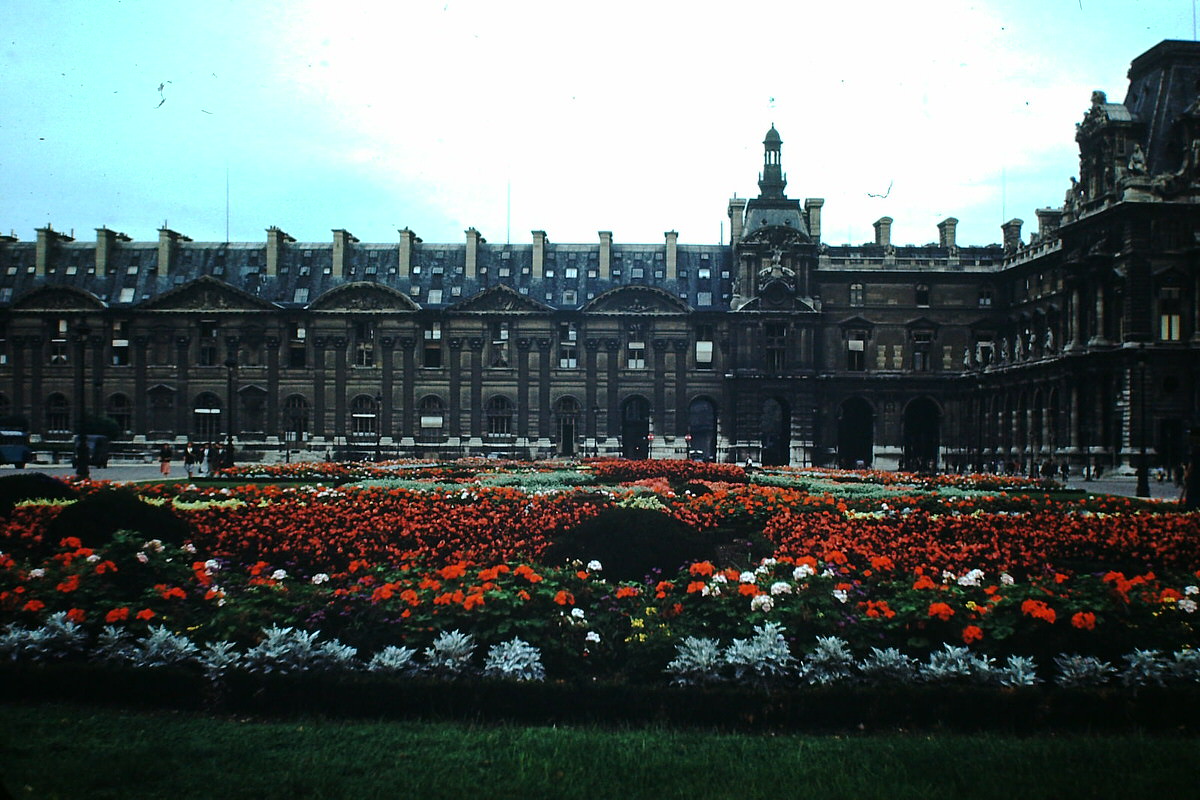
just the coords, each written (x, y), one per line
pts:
(364, 296)
(924, 323)
(856, 322)
(637, 300)
(57, 298)
(501, 298)
(206, 293)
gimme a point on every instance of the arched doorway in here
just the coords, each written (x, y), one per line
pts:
(776, 432)
(566, 420)
(856, 433)
(295, 419)
(206, 418)
(922, 419)
(702, 429)
(635, 428)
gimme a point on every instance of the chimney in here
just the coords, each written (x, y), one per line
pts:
(883, 231)
(168, 240)
(948, 233)
(47, 237)
(1012, 234)
(605, 254)
(539, 254)
(474, 239)
(105, 239)
(672, 253)
(737, 218)
(1048, 221)
(342, 239)
(812, 210)
(407, 240)
(275, 242)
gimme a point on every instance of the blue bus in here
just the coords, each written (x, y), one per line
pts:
(14, 448)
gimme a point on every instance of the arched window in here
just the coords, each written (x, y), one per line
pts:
(295, 418)
(499, 412)
(364, 416)
(856, 294)
(162, 412)
(922, 294)
(566, 422)
(120, 410)
(58, 415)
(433, 419)
(206, 417)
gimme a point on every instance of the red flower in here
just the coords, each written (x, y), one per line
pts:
(972, 633)
(695, 586)
(105, 566)
(471, 601)
(77, 615)
(71, 543)
(626, 591)
(452, 571)
(660, 591)
(117, 614)
(703, 568)
(749, 590)
(68, 584)
(1084, 620)
(941, 610)
(33, 605)
(564, 598)
(924, 582)
(882, 563)
(145, 614)
(1038, 610)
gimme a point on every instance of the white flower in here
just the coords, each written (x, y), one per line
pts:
(947, 576)
(320, 577)
(972, 578)
(592, 636)
(803, 571)
(279, 574)
(1006, 579)
(188, 548)
(211, 565)
(781, 587)
(767, 562)
(93, 558)
(37, 573)
(577, 613)
(841, 595)
(761, 602)
(1187, 605)
(748, 577)
(1191, 590)
(719, 577)
(154, 544)
(594, 566)
(142, 557)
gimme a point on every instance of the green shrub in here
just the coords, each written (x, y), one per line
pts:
(631, 543)
(95, 518)
(32, 486)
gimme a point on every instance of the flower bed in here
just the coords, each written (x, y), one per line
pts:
(1010, 574)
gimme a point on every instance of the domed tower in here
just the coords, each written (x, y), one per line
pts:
(774, 248)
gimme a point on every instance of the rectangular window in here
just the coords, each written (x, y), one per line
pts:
(922, 355)
(364, 344)
(301, 295)
(637, 272)
(704, 273)
(856, 294)
(1170, 316)
(568, 345)
(570, 297)
(498, 349)
(985, 298)
(704, 347)
(922, 295)
(704, 298)
(207, 354)
(775, 340)
(432, 354)
(120, 344)
(856, 347)
(571, 273)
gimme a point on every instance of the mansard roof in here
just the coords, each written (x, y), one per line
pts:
(363, 296)
(206, 293)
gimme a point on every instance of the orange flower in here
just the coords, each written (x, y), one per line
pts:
(749, 590)
(626, 591)
(471, 601)
(564, 598)
(1084, 620)
(71, 543)
(452, 571)
(145, 614)
(117, 614)
(882, 563)
(1038, 610)
(703, 568)
(660, 591)
(105, 566)
(924, 582)
(695, 586)
(972, 633)
(941, 610)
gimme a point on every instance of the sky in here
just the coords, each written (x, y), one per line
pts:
(220, 119)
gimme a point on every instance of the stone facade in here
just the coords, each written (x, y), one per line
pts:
(1077, 344)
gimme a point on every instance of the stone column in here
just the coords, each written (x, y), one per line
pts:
(272, 427)
(613, 352)
(183, 398)
(455, 404)
(476, 344)
(318, 379)
(681, 398)
(590, 348)
(408, 344)
(387, 388)
(523, 345)
(544, 409)
(141, 426)
(340, 343)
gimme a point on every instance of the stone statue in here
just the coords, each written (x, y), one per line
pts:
(1004, 350)
(1137, 161)
(966, 361)
(1049, 340)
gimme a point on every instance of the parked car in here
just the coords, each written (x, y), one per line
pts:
(14, 448)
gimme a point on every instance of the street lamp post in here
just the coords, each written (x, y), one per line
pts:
(378, 426)
(231, 366)
(1143, 470)
(81, 444)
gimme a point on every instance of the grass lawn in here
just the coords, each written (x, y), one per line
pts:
(63, 751)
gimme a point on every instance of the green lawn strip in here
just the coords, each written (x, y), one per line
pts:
(68, 751)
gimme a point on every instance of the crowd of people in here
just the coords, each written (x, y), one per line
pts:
(200, 460)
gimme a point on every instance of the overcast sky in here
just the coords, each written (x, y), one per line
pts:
(635, 117)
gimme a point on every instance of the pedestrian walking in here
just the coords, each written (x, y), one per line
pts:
(189, 459)
(164, 459)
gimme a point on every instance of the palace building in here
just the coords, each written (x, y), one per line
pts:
(1076, 342)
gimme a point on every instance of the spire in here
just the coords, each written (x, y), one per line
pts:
(772, 181)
